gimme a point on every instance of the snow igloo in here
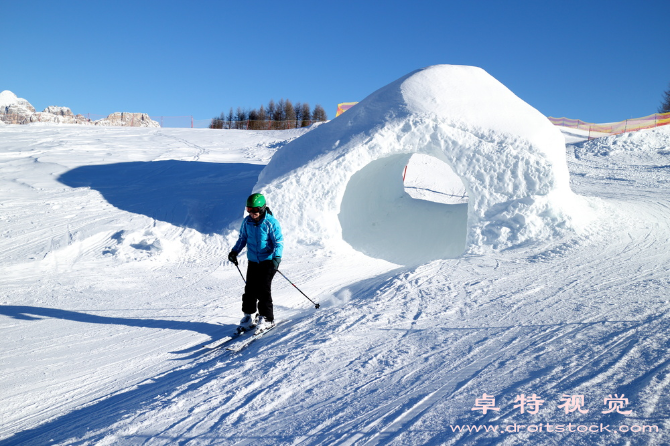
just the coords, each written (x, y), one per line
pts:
(340, 186)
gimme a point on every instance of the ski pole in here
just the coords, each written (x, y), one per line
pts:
(238, 268)
(315, 304)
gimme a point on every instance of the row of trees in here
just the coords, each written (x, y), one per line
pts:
(276, 116)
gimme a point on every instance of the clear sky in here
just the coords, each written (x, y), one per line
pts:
(598, 61)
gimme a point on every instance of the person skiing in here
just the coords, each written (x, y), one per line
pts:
(261, 234)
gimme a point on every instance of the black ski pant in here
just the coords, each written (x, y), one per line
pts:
(258, 290)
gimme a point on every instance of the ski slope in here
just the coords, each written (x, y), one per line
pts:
(113, 244)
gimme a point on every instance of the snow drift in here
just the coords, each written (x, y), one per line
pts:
(343, 181)
(645, 147)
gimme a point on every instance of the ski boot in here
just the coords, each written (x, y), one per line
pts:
(247, 323)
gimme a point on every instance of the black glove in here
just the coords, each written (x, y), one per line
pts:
(233, 257)
(276, 261)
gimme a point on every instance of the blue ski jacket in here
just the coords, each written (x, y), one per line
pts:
(263, 239)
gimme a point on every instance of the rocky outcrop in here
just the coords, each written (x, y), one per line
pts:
(14, 110)
(58, 115)
(60, 111)
(127, 120)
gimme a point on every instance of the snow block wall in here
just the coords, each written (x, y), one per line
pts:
(340, 185)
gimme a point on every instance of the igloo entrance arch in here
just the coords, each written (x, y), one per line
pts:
(381, 219)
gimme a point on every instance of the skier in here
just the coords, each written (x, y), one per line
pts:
(261, 234)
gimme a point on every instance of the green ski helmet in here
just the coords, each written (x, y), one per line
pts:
(256, 201)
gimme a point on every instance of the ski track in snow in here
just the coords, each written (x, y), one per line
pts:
(101, 307)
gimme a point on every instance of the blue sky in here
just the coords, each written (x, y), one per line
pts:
(598, 61)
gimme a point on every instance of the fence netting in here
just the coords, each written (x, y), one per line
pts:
(164, 121)
(190, 122)
(614, 128)
(259, 125)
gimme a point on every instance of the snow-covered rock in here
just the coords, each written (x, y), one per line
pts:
(58, 115)
(343, 180)
(60, 111)
(128, 120)
(14, 110)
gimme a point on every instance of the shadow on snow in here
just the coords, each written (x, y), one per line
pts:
(28, 313)
(206, 197)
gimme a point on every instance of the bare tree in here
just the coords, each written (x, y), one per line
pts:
(298, 114)
(319, 114)
(240, 117)
(289, 114)
(253, 120)
(217, 122)
(271, 110)
(665, 103)
(262, 117)
(306, 115)
(230, 118)
(279, 114)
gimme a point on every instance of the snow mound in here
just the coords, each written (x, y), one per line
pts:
(343, 181)
(641, 147)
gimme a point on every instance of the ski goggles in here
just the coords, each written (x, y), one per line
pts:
(255, 210)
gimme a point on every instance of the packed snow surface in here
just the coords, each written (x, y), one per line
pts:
(109, 284)
(113, 246)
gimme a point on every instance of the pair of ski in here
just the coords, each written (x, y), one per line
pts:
(228, 343)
